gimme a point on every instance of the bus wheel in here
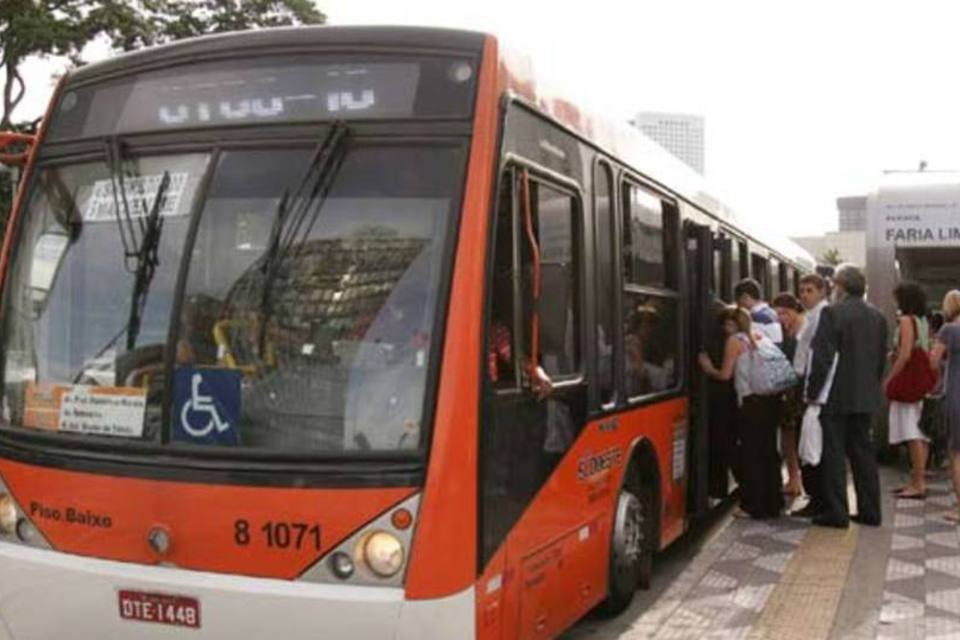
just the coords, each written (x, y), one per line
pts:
(631, 555)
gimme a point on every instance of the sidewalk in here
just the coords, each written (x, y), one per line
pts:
(785, 579)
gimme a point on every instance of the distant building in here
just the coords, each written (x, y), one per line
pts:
(850, 242)
(680, 134)
(850, 246)
(852, 212)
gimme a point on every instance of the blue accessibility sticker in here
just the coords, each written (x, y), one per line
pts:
(206, 406)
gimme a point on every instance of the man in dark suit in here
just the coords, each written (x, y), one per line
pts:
(858, 333)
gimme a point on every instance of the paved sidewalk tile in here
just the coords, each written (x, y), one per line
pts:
(783, 579)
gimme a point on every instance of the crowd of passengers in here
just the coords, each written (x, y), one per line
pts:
(817, 371)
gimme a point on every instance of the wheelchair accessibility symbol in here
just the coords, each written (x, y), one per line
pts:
(206, 405)
(201, 404)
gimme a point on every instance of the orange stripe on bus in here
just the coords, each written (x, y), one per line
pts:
(235, 529)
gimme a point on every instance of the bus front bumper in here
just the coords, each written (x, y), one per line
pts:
(45, 594)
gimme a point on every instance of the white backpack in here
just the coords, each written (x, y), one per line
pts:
(770, 373)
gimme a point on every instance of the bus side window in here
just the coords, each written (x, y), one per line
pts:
(719, 276)
(606, 281)
(651, 313)
(760, 273)
(502, 363)
(553, 218)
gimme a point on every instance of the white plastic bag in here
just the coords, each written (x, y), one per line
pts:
(811, 436)
(811, 431)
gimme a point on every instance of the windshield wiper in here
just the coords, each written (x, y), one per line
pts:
(147, 261)
(288, 227)
(139, 253)
(121, 208)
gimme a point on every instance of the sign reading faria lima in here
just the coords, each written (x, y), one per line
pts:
(913, 232)
(924, 212)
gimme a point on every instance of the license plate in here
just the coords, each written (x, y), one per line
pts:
(179, 611)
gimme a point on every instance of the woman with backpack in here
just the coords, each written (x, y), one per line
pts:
(758, 413)
(947, 349)
(905, 413)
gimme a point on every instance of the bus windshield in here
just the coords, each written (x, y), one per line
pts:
(290, 303)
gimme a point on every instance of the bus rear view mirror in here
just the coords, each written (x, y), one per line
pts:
(48, 253)
(15, 148)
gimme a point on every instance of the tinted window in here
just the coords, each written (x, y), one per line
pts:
(650, 318)
(651, 333)
(643, 237)
(606, 281)
(554, 226)
(759, 271)
(719, 272)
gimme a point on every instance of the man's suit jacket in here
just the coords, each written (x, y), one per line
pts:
(858, 332)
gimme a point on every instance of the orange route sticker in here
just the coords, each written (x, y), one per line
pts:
(42, 405)
(106, 411)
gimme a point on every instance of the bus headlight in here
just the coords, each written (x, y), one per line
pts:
(383, 553)
(8, 514)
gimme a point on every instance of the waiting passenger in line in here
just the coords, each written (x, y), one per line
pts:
(757, 418)
(790, 313)
(904, 420)
(813, 296)
(947, 348)
(748, 296)
(857, 333)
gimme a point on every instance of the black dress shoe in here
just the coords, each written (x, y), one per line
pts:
(826, 521)
(870, 522)
(809, 511)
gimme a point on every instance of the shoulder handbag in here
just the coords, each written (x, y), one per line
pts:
(916, 379)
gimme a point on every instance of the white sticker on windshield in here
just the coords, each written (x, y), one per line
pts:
(103, 411)
(141, 192)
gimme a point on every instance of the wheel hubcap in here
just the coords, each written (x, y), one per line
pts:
(628, 535)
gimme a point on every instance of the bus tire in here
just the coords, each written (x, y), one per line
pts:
(631, 549)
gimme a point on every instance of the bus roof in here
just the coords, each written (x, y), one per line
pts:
(290, 39)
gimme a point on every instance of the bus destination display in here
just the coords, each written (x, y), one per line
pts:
(276, 90)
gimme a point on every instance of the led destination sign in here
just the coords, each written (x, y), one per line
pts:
(273, 94)
(267, 90)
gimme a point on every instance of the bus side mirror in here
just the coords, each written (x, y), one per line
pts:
(48, 254)
(15, 148)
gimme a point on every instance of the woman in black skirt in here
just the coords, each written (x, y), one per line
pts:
(757, 419)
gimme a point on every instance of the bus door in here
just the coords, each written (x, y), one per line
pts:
(721, 398)
(699, 243)
(526, 520)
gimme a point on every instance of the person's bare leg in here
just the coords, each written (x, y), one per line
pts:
(954, 515)
(918, 468)
(788, 440)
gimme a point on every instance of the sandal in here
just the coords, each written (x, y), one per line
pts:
(900, 489)
(740, 514)
(912, 496)
(952, 516)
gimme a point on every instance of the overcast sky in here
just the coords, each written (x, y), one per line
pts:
(804, 101)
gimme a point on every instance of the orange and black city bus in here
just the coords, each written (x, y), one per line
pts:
(278, 310)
